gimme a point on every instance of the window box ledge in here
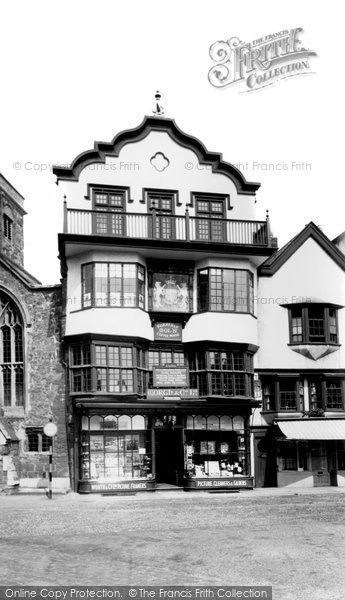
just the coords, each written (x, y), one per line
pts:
(314, 351)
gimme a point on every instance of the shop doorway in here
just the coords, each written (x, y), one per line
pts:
(169, 456)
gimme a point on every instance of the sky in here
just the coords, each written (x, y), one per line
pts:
(76, 72)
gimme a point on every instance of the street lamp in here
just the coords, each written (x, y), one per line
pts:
(50, 430)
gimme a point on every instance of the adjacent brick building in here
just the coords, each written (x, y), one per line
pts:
(32, 379)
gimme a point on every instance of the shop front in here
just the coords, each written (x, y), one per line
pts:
(155, 448)
(311, 452)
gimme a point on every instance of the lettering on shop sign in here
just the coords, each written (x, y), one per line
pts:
(223, 483)
(173, 393)
(97, 487)
(166, 377)
(168, 331)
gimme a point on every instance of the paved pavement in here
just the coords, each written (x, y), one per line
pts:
(292, 539)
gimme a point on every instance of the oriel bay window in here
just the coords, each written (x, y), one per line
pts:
(225, 290)
(221, 373)
(103, 368)
(113, 285)
(313, 324)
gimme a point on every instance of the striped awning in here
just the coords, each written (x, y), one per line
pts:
(313, 429)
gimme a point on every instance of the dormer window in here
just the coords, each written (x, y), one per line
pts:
(313, 324)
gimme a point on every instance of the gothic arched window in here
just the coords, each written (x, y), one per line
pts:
(11, 354)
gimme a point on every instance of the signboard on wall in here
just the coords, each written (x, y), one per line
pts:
(166, 377)
(172, 394)
(171, 293)
(168, 331)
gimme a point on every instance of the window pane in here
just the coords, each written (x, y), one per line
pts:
(87, 285)
(114, 380)
(19, 383)
(113, 356)
(126, 357)
(126, 380)
(141, 287)
(216, 292)
(241, 291)
(297, 331)
(332, 326)
(46, 442)
(115, 284)
(129, 285)
(6, 344)
(101, 284)
(203, 290)
(7, 385)
(101, 380)
(18, 343)
(33, 442)
(229, 289)
(334, 394)
(287, 393)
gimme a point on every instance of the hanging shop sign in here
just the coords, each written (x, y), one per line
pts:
(166, 377)
(168, 331)
(172, 394)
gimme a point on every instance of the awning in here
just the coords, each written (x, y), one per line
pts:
(313, 429)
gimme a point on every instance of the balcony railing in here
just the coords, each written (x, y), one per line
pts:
(157, 226)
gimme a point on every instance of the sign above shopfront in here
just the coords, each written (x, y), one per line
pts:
(222, 482)
(172, 394)
(166, 377)
(168, 331)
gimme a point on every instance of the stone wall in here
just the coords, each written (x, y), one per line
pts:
(13, 248)
(45, 377)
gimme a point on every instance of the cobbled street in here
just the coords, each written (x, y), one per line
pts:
(293, 542)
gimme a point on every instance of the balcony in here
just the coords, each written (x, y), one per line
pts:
(156, 226)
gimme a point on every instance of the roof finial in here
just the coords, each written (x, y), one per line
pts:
(159, 110)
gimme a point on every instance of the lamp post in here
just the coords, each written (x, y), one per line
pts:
(50, 430)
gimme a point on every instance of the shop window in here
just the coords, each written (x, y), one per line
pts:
(11, 354)
(37, 441)
(213, 448)
(115, 447)
(313, 324)
(225, 290)
(113, 285)
(221, 373)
